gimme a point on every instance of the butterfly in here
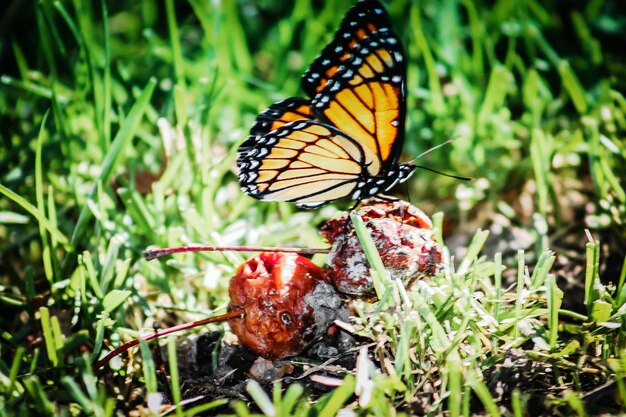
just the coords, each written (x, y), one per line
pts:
(345, 141)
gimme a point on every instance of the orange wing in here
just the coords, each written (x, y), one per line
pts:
(305, 162)
(277, 115)
(366, 99)
(360, 22)
(357, 83)
(346, 140)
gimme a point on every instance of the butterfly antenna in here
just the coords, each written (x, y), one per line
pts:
(443, 173)
(433, 148)
(412, 161)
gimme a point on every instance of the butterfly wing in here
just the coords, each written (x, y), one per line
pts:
(305, 162)
(277, 115)
(365, 18)
(314, 152)
(361, 89)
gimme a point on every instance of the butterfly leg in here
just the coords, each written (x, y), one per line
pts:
(389, 199)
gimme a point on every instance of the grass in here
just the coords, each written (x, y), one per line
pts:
(100, 100)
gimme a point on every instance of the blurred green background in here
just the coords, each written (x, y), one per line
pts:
(119, 123)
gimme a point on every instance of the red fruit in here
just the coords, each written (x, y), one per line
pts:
(402, 234)
(287, 302)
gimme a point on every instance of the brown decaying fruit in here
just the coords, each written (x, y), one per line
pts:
(403, 235)
(288, 304)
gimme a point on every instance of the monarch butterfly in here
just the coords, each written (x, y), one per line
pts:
(346, 140)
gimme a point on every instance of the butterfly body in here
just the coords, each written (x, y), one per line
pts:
(345, 141)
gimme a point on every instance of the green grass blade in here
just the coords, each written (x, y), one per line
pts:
(14, 389)
(46, 326)
(498, 286)
(57, 335)
(591, 272)
(496, 93)
(453, 370)
(572, 86)
(473, 249)
(41, 218)
(517, 404)
(106, 77)
(30, 87)
(482, 392)
(439, 341)
(540, 154)
(291, 398)
(78, 395)
(338, 397)
(613, 180)
(437, 219)
(39, 196)
(114, 299)
(179, 71)
(92, 275)
(149, 369)
(380, 276)
(520, 289)
(121, 141)
(174, 377)
(38, 396)
(79, 32)
(434, 85)
(202, 408)
(555, 299)
(260, 398)
(621, 289)
(20, 60)
(97, 346)
(542, 268)
(52, 216)
(575, 402)
(240, 56)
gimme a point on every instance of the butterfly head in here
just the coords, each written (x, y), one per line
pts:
(384, 182)
(405, 171)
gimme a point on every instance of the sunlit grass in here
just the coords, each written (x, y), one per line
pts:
(119, 127)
